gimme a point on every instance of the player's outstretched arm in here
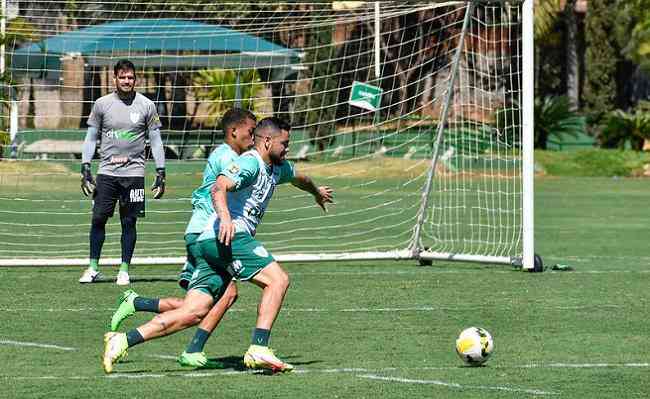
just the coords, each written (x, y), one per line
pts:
(322, 195)
(220, 204)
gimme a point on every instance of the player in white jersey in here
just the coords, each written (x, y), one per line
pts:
(238, 126)
(253, 176)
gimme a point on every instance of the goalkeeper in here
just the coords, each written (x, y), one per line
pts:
(238, 126)
(120, 121)
(250, 181)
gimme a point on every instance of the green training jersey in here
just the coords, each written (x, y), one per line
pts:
(202, 207)
(255, 183)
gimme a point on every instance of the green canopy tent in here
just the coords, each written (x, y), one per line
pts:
(158, 43)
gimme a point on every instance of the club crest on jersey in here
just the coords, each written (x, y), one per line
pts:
(135, 117)
(261, 252)
(233, 169)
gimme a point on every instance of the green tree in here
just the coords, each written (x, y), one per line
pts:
(636, 34)
(556, 49)
(602, 58)
(317, 110)
(18, 32)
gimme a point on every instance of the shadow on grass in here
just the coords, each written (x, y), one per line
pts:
(226, 363)
(139, 280)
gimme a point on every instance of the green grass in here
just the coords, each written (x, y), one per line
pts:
(375, 329)
(592, 162)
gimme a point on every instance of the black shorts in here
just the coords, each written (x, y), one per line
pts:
(110, 189)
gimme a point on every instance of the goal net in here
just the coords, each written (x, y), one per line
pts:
(412, 113)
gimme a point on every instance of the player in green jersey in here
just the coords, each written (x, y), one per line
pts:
(216, 265)
(238, 126)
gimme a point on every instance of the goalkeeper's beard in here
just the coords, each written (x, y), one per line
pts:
(126, 94)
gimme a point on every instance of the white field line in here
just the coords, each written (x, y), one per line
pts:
(585, 365)
(456, 385)
(422, 308)
(36, 345)
(359, 372)
(418, 272)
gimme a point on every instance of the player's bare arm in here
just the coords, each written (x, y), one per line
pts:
(220, 204)
(322, 194)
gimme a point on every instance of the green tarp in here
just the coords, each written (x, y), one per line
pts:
(157, 43)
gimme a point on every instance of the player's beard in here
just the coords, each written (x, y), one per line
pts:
(277, 159)
(126, 94)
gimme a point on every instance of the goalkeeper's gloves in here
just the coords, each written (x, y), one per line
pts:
(158, 187)
(87, 181)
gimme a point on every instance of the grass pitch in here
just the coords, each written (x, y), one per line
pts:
(375, 330)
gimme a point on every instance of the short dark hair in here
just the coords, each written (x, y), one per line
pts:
(234, 117)
(273, 124)
(123, 64)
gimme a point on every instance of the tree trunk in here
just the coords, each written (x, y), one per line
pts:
(572, 67)
(179, 104)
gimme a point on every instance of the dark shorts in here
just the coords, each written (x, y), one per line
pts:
(129, 191)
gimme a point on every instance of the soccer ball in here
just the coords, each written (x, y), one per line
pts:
(474, 345)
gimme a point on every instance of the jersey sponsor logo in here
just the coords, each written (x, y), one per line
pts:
(261, 252)
(136, 195)
(135, 117)
(118, 159)
(124, 134)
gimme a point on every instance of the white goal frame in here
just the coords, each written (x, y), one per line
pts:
(416, 250)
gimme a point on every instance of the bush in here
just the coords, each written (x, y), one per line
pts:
(553, 118)
(620, 127)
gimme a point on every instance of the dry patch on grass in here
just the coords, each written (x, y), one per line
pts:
(36, 176)
(32, 167)
(369, 168)
(387, 167)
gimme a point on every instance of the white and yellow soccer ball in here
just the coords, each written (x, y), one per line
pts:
(474, 345)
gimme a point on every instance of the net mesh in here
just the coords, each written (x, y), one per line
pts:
(302, 62)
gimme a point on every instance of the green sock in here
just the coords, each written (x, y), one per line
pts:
(198, 342)
(94, 264)
(124, 267)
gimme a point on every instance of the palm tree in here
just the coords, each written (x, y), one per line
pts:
(219, 88)
(547, 14)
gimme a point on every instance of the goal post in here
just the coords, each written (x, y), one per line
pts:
(419, 116)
